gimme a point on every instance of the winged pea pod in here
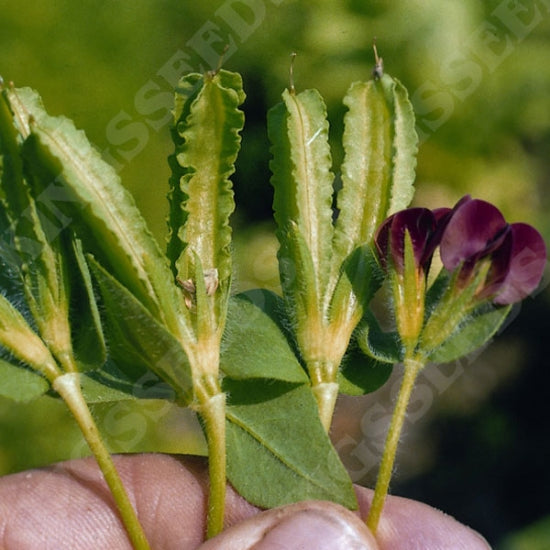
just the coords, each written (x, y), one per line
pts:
(327, 269)
(52, 270)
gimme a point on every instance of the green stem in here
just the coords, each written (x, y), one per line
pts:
(326, 394)
(323, 375)
(68, 387)
(412, 368)
(212, 412)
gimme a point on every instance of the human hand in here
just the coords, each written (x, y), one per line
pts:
(68, 506)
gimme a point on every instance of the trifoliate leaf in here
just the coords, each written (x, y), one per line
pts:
(138, 340)
(471, 334)
(377, 344)
(21, 384)
(255, 343)
(277, 450)
(110, 384)
(360, 374)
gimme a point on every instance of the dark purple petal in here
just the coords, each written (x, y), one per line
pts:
(442, 217)
(526, 264)
(500, 265)
(420, 224)
(390, 237)
(381, 240)
(473, 231)
(463, 200)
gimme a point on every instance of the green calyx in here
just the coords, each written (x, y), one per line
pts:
(409, 289)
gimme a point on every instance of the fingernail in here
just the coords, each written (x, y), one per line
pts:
(312, 529)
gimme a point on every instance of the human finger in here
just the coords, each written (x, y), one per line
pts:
(310, 524)
(407, 524)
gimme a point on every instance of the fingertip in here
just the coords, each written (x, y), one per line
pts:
(405, 520)
(320, 525)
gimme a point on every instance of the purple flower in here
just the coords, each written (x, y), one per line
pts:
(476, 230)
(421, 224)
(473, 231)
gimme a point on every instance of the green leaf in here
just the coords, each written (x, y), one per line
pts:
(89, 344)
(88, 190)
(53, 268)
(13, 191)
(303, 183)
(104, 390)
(33, 231)
(138, 341)
(436, 291)
(255, 343)
(472, 333)
(380, 144)
(10, 180)
(22, 342)
(381, 346)
(451, 311)
(10, 276)
(277, 449)
(360, 278)
(40, 258)
(201, 199)
(360, 374)
(110, 384)
(21, 384)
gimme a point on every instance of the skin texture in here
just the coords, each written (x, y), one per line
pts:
(68, 506)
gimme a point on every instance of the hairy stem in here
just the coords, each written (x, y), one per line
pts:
(68, 387)
(412, 368)
(326, 394)
(212, 412)
(325, 388)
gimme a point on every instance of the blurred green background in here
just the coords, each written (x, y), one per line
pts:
(479, 77)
